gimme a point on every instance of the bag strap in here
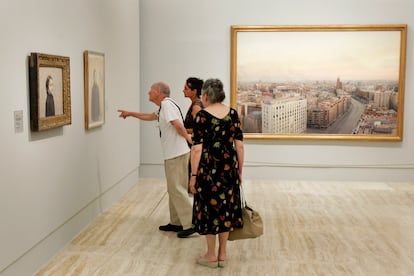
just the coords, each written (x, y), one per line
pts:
(242, 197)
(179, 109)
(159, 110)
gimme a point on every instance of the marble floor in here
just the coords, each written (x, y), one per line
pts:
(311, 228)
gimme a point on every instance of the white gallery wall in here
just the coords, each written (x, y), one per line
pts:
(184, 38)
(53, 183)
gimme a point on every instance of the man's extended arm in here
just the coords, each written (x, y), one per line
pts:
(139, 115)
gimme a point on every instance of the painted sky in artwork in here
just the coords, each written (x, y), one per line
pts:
(309, 56)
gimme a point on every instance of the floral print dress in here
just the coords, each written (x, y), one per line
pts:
(217, 206)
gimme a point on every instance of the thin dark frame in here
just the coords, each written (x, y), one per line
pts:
(89, 66)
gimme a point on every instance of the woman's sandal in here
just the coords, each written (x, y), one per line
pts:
(202, 261)
(222, 263)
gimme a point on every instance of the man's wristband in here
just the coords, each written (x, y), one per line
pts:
(193, 174)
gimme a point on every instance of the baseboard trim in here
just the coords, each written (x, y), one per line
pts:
(40, 253)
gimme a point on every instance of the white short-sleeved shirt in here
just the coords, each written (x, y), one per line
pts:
(173, 144)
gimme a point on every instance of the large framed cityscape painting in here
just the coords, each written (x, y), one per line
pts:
(335, 82)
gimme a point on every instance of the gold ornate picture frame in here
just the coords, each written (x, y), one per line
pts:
(94, 83)
(340, 82)
(50, 104)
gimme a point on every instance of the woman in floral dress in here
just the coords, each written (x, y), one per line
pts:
(217, 158)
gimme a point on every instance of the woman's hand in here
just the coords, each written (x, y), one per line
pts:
(193, 180)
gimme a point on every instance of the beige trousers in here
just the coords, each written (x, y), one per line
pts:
(180, 203)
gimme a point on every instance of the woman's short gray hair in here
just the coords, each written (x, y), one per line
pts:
(214, 90)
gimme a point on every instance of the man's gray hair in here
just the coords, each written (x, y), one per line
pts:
(163, 87)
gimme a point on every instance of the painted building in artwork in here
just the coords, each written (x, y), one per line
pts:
(284, 115)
